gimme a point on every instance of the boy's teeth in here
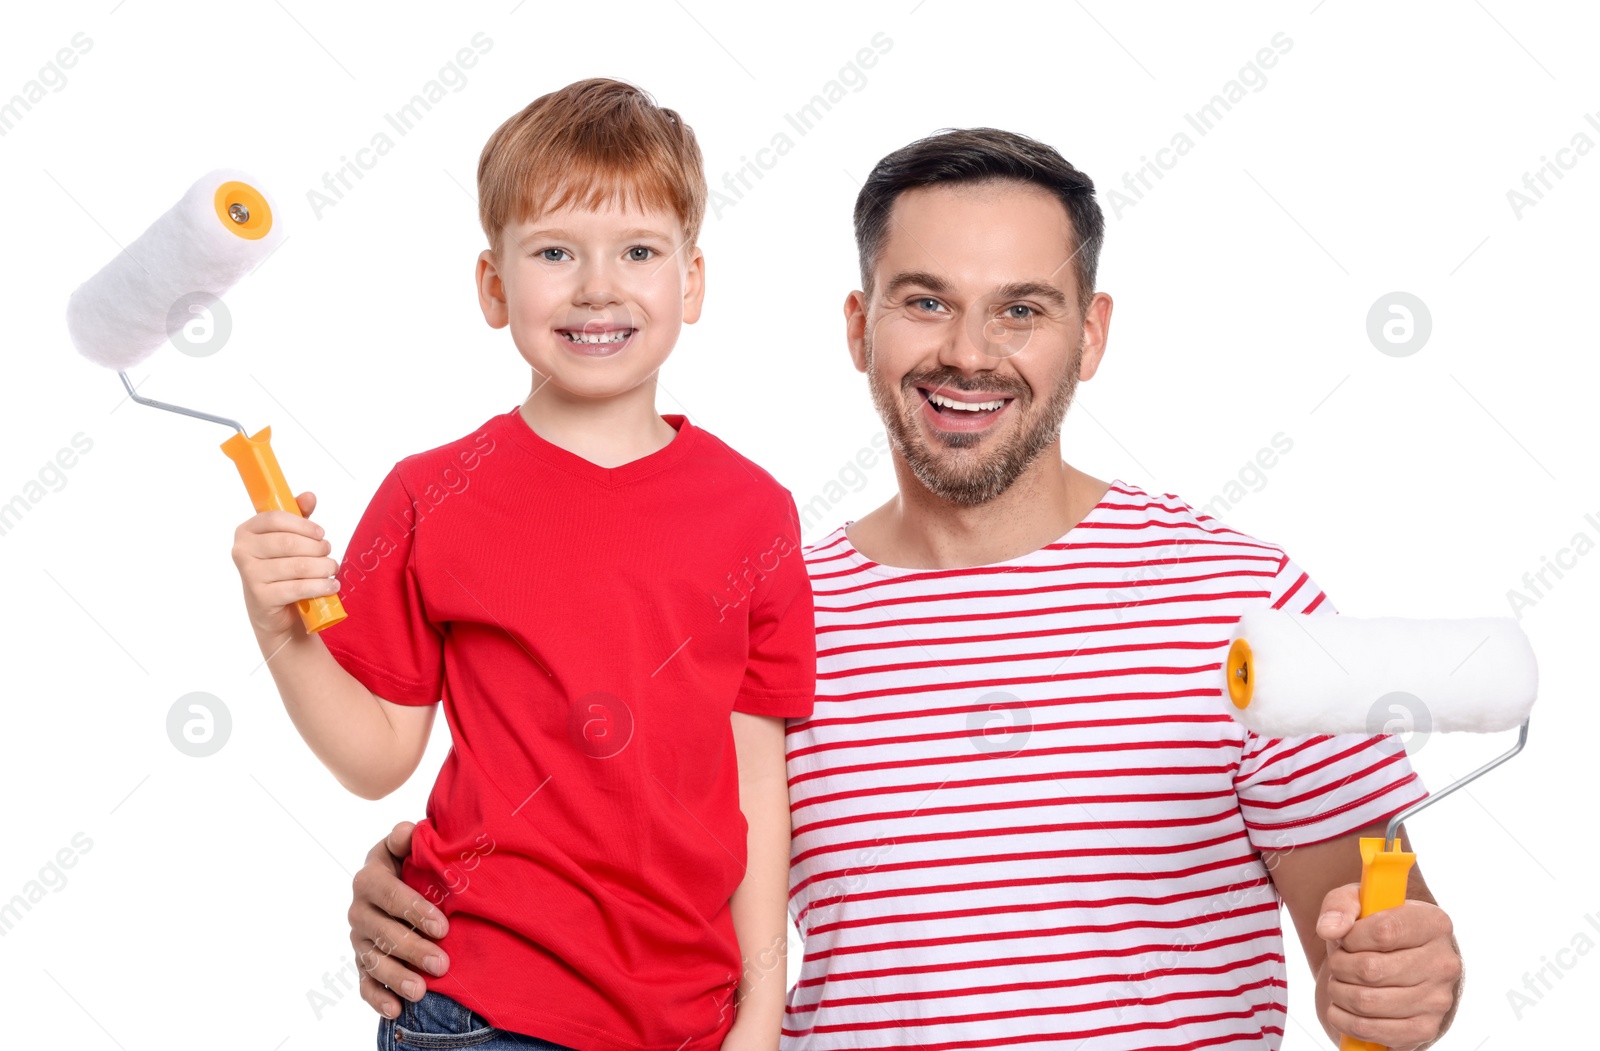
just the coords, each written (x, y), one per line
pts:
(600, 337)
(967, 406)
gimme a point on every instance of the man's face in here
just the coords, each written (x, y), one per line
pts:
(594, 298)
(971, 339)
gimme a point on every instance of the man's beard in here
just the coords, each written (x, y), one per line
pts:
(986, 479)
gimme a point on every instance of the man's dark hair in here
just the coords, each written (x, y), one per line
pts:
(979, 155)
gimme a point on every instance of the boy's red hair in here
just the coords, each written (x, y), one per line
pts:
(593, 143)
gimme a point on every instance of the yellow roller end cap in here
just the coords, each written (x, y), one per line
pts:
(257, 217)
(1240, 686)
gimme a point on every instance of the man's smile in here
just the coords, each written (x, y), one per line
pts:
(948, 409)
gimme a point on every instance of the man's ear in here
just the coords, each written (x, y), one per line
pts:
(855, 328)
(694, 286)
(1096, 330)
(492, 290)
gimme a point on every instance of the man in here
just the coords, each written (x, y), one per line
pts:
(1021, 815)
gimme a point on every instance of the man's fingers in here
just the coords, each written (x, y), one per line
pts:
(1340, 907)
(1403, 968)
(378, 998)
(378, 884)
(1406, 926)
(376, 960)
(393, 938)
(398, 841)
(1385, 1032)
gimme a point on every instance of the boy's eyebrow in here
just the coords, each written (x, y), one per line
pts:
(638, 231)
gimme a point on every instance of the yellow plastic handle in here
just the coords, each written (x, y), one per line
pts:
(264, 480)
(1383, 886)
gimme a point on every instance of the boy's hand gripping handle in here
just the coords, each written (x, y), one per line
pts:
(270, 492)
(1383, 886)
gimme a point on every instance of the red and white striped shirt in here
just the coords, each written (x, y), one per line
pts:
(1023, 816)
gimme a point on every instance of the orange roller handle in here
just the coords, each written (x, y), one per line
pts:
(264, 480)
(1383, 886)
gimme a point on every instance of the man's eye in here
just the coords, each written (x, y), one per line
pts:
(926, 303)
(1019, 312)
(552, 255)
(640, 254)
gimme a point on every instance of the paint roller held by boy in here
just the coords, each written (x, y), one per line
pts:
(609, 834)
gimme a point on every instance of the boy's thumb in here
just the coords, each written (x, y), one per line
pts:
(307, 501)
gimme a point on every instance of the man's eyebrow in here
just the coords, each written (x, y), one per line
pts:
(1033, 290)
(915, 279)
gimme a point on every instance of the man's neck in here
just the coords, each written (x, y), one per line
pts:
(918, 530)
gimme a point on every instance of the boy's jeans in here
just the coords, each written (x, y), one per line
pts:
(439, 1022)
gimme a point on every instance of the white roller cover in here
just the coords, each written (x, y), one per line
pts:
(121, 315)
(1338, 674)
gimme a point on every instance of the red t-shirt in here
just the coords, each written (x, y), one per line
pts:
(589, 630)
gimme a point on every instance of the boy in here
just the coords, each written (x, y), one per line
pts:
(613, 608)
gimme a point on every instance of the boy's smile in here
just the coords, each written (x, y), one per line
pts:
(598, 338)
(594, 297)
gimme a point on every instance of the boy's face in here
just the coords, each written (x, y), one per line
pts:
(594, 298)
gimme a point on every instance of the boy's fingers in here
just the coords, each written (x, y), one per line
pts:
(298, 567)
(282, 522)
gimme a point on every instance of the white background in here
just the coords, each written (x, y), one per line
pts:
(1376, 157)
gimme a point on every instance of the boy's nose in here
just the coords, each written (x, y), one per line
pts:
(598, 287)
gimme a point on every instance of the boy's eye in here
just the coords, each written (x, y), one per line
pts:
(640, 254)
(552, 255)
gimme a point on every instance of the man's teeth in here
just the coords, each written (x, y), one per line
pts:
(599, 337)
(967, 406)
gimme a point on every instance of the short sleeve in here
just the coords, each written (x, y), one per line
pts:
(780, 676)
(386, 640)
(1297, 791)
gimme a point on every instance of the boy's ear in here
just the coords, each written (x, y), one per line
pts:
(694, 286)
(492, 290)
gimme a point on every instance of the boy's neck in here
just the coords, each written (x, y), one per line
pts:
(607, 432)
